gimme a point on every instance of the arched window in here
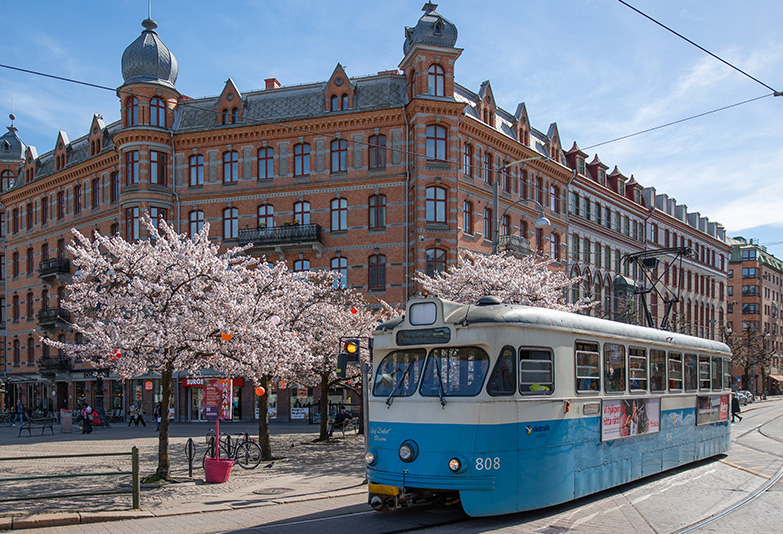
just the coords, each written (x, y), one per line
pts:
(301, 265)
(302, 212)
(344, 101)
(230, 223)
(6, 180)
(334, 103)
(436, 81)
(376, 269)
(157, 112)
(436, 204)
(505, 225)
(467, 160)
(265, 163)
(15, 308)
(377, 211)
(17, 353)
(436, 142)
(340, 266)
(195, 222)
(132, 111)
(554, 199)
(45, 252)
(266, 216)
(435, 261)
(467, 217)
(301, 159)
(30, 350)
(234, 116)
(339, 152)
(377, 150)
(339, 214)
(230, 166)
(225, 116)
(30, 305)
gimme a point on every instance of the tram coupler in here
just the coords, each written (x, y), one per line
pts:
(383, 498)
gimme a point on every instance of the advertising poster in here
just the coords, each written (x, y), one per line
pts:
(712, 409)
(216, 399)
(624, 418)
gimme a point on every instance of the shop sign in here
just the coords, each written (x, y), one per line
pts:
(96, 374)
(148, 385)
(298, 413)
(199, 382)
(216, 398)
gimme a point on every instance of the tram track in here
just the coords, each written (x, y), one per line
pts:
(755, 494)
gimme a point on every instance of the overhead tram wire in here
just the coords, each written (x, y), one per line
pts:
(648, 17)
(478, 168)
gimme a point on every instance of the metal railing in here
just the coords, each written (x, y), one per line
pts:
(135, 490)
(273, 235)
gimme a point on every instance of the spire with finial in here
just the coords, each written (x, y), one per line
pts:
(429, 6)
(13, 118)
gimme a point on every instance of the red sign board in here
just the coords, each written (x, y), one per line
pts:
(148, 385)
(216, 398)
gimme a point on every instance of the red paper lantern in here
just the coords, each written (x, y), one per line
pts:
(260, 391)
(226, 336)
(115, 355)
(353, 309)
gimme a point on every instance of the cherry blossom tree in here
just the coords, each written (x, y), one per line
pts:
(513, 280)
(170, 304)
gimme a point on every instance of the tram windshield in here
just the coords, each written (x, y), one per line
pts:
(455, 372)
(398, 373)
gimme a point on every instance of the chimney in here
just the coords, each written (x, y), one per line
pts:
(272, 83)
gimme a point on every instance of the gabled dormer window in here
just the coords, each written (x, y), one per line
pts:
(580, 166)
(344, 101)
(335, 103)
(621, 187)
(602, 177)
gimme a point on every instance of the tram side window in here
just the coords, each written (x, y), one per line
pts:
(657, 370)
(704, 373)
(726, 374)
(637, 369)
(502, 381)
(536, 376)
(614, 368)
(717, 373)
(691, 372)
(454, 372)
(675, 372)
(588, 367)
(399, 373)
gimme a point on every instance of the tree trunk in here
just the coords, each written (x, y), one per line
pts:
(324, 436)
(263, 420)
(164, 462)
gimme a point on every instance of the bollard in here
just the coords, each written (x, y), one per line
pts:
(190, 454)
(135, 478)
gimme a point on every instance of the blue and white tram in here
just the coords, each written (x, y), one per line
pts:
(509, 408)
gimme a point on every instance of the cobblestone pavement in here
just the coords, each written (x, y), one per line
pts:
(301, 468)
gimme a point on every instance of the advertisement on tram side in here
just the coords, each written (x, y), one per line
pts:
(624, 418)
(712, 409)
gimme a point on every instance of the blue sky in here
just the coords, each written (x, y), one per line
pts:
(593, 66)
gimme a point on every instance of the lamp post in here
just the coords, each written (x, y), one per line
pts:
(541, 222)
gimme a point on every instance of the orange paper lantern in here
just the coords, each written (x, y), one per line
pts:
(260, 391)
(226, 336)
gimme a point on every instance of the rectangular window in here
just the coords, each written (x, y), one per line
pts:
(339, 215)
(588, 367)
(30, 216)
(158, 167)
(230, 166)
(77, 199)
(339, 152)
(377, 148)
(717, 373)
(301, 159)
(637, 369)
(230, 223)
(705, 379)
(115, 187)
(657, 370)
(614, 368)
(467, 217)
(536, 373)
(488, 223)
(377, 211)
(96, 193)
(691, 372)
(196, 170)
(377, 272)
(675, 372)
(132, 224)
(44, 211)
(265, 163)
(132, 167)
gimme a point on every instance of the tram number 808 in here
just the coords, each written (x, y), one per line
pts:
(487, 464)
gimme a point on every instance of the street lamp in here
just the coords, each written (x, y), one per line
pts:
(541, 222)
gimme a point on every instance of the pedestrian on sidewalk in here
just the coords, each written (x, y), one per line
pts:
(86, 418)
(132, 415)
(138, 415)
(19, 413)
(156, 415)
(735, 407)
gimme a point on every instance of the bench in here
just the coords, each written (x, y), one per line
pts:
(351, 424)
(43, 423)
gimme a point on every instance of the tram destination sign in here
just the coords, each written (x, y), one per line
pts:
(425, 336)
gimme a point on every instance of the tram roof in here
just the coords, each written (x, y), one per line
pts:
(489, 313)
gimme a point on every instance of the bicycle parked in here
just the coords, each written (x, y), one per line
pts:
(245, 451)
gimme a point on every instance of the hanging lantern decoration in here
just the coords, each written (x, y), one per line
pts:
(260, 391)
(115, 355)
(353, 309)
(226, 336)
(275, 320)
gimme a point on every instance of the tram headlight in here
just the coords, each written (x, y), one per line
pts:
(369, 457)
(455, 464)
(408, 451)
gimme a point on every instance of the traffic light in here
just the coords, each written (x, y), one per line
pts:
(342, 363)
(352, 349)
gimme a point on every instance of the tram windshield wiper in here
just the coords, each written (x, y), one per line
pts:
(440, 385)
(390, 398)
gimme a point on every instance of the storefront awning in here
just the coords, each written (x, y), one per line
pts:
(779, 378)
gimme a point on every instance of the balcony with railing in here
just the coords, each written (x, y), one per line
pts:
(282, 239)
(516, 245)
(60, 363)
(54, 318)
(55, 270)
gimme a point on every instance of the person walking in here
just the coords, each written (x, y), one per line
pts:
(140, 415)
(156, 416)
(735, 407)
(19, 413)
(86, 418)
(132, 415)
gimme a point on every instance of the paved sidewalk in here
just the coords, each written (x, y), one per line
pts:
(304, 470)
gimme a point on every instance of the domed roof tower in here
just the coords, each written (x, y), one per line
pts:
(11, 147)
(147, 59)
(432, 29)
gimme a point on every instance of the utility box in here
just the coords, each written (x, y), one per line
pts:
(66, 421)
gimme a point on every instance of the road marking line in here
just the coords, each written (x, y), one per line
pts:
(749, 470)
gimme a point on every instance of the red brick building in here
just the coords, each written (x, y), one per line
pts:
(374, 177)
